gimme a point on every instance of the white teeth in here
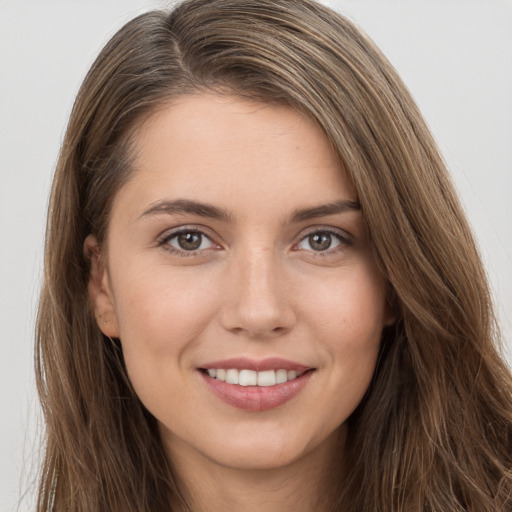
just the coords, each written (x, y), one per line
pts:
(267, 378)
(252, 378)
(281, 376)
(232, 376)
(247, 378)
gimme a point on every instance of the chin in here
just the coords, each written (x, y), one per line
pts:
(260, 456)
(268, 448)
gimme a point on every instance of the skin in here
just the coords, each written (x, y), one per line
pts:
(257, 287)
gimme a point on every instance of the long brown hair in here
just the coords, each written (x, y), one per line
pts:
(434, 431)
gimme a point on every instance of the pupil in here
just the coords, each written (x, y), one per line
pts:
(320, 241)
(189, 241)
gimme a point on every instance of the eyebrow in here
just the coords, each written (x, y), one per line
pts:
(213, 212)
(336, 207)
(187, 206)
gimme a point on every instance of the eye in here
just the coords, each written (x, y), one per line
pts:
(187, 241)
(322, 241)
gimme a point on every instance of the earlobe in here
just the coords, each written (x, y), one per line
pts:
(99, 289)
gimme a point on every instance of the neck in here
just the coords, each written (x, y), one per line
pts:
(307, 484)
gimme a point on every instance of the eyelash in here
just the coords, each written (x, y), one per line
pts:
(163, 241)
(343, 239)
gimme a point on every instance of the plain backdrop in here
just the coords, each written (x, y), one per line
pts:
(454, 55)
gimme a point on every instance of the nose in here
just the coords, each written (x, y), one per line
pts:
(258, 301)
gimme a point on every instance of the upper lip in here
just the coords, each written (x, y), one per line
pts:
(259, 365)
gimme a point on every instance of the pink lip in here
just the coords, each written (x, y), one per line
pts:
(244, 363)
(256, 398)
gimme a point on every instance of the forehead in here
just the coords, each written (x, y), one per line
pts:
(223, 149)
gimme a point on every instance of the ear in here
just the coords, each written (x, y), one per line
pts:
(100, 292)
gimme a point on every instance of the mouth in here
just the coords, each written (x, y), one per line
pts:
(246, 377)
(256, 385)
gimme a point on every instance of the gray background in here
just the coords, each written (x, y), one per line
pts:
(455, 56)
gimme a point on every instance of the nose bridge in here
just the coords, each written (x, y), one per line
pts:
(259, 303)
(260, 279)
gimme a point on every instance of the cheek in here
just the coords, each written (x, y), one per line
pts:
(349, 316)
(160, 312)
(351, 311)
(162, 316)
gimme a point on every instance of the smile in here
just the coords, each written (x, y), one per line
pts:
(256, 385)
(247, 377)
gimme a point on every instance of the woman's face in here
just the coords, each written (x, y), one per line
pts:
(238, 247)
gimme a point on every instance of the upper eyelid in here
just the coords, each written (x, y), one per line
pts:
(345, 235)
(171, 232)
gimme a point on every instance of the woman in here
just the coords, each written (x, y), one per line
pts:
(261, 292)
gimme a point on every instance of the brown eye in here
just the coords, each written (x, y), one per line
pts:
(188, 241)
(320, 241)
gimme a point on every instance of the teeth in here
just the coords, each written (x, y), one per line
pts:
(252, 378)
(232, 376)
(247, 378)
(267, 378)
(281, 376)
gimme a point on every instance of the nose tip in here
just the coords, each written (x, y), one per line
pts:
(257, 322)
(258, 303)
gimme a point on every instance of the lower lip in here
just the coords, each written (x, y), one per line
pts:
(257, 398)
